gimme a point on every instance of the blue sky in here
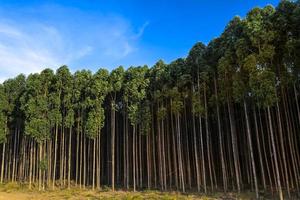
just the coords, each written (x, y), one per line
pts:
(91, 34)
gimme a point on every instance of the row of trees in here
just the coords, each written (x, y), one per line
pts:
(225, 118)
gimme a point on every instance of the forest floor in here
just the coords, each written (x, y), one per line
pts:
(12, 191)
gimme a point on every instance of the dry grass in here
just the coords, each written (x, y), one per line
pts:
(13, 191)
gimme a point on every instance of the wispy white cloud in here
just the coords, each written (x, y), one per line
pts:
(21, 52)
(28, 46)
(142, 29)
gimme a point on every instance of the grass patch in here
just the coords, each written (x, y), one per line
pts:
(14, 191)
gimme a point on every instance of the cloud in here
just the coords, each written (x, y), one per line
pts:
(141, 30)
(75, 38)
(22, 52)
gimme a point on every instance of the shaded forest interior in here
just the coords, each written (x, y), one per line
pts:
(226, 118)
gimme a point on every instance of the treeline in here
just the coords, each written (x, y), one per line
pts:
(226, 118)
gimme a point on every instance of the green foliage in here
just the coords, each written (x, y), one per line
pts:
(36, 105)
(177, 101)
(196, 59)
(96, 94)
(145, 117)
(198, 106)
(225, 72)
(95, 122)
(162, 112)
(116, 79)
(135, 87)
(43, 164)
(3, 117)
(13, 89)
(263, 89)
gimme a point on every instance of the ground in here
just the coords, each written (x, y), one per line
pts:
(13, 191)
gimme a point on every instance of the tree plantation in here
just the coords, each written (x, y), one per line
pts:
(226, 118)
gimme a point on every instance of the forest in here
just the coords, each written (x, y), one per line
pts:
(226, 118)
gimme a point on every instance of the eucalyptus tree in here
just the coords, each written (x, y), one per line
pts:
(178, 80)
(263, 90)
(135, 85)
(3, 126)
(99, 88)
(81, 97)
(55, 119)
(116, 78)
(225, 74)
(157, 90)
(261, 36)
(13, 89)
(286, 20)
(177, 106)
(64, 86)
(36, 108)
(193, 60)
(156, 94)
(241, 92)
(211, 56)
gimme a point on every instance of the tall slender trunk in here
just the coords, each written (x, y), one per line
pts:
(127, 154)
(148, 161)
(234, 146)
(275, 155)
(14, 154)
(55, 154)
(286, 177)
(69, 158)
(77, 153)
(180, 152)
(113, 146)
(251, 149)
(31, 163)
(297, 102)
(220, 139)
(202, 155)
(133, 157)
(196, 155)
(49, 173)
(84, 161)
(159, 152)
(39, 165)
(62, 153)
(163, 155)
(81, 161)
(2, 162)
(259, 150)
(99, 161)
(208, 141)
(94, 163)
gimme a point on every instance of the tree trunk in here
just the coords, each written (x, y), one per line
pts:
(196, 155)
(259, 151)
(234, 146)
(275, 155)
(94, 163)
(39, 165)
(208, 142)
(55, 154)
(2, 163)
(202, 155)
(113, 146)
(133, 158)
(251, 149)
(179, 153)
(220, 139)
(69, 158)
